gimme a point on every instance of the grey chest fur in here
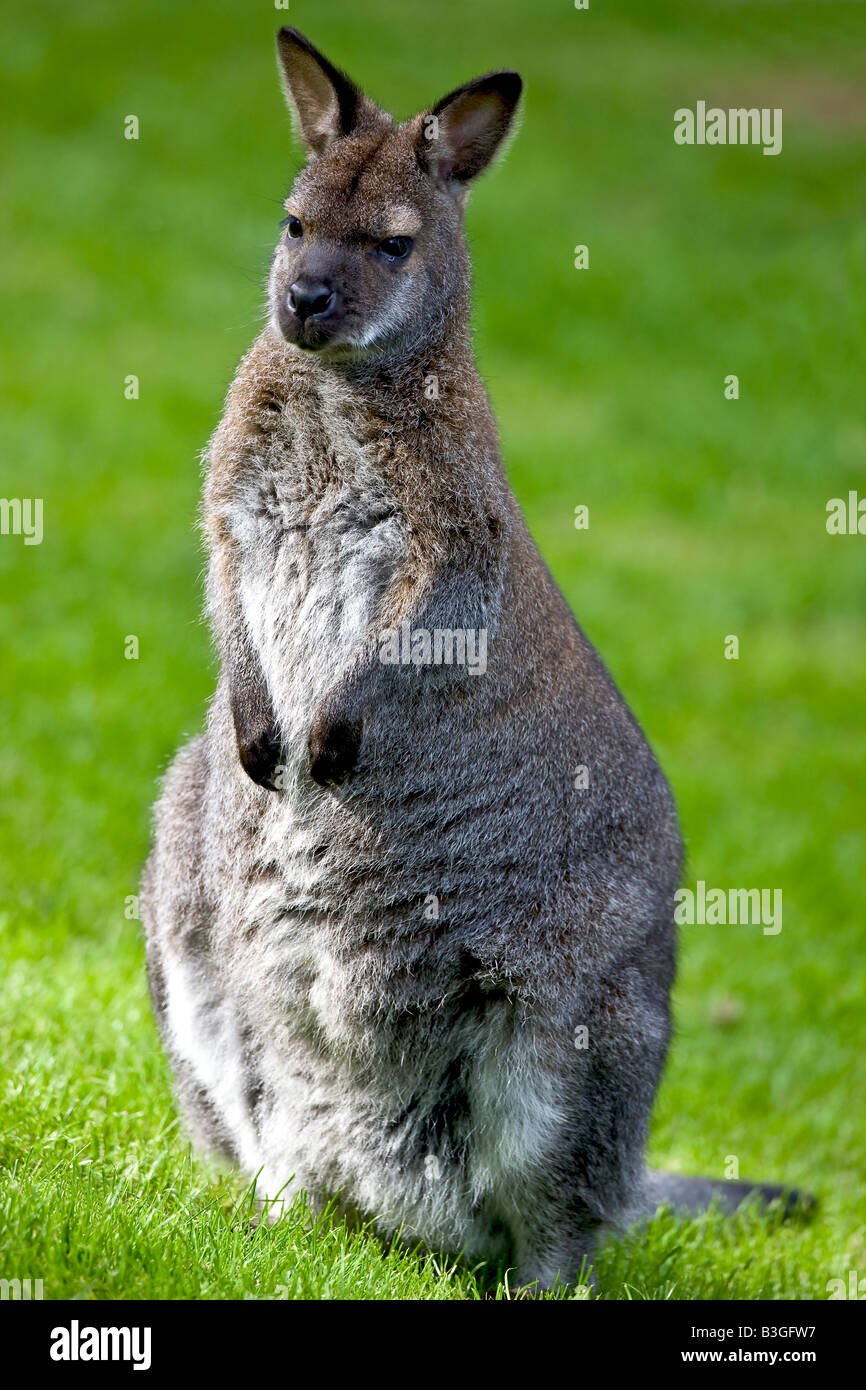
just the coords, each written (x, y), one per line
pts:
(318, 539)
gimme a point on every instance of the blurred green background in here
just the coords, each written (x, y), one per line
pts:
(707, 518)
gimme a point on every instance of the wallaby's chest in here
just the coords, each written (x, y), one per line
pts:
(318, 539)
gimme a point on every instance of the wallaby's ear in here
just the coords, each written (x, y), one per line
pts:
(325, 103)
(464, 130)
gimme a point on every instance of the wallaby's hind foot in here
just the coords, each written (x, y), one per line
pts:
(689, 1196)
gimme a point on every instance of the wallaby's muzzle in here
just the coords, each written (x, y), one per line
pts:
(308, 299)
(308, 312)
(308, 303)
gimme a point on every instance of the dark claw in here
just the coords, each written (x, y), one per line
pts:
(260, 757)
(334, 750)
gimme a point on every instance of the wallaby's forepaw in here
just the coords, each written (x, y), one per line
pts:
(334, 745)
(260, 756)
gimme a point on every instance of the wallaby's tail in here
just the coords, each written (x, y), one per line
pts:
(691, 1196)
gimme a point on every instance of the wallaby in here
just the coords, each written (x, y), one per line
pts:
(409, 909)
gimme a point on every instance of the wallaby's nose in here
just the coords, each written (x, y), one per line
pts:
(310, 298)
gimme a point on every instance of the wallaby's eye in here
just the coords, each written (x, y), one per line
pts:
(395, 248)
(294, 226)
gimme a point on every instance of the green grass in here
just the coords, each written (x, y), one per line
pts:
(706, 518)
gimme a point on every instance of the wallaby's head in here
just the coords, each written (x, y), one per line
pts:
(372, 254)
